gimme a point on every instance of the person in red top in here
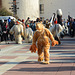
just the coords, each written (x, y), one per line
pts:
(55, 22)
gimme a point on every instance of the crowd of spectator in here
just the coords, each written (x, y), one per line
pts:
(6, 25)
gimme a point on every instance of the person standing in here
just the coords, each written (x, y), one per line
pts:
(27, 22)
(5, 31)
(73, 26)
(12, 23)
(42, 36)
(55, 30)
(17, 30)
(59, 16)
(1, 24)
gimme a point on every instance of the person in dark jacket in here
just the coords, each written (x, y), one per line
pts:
(1, 33)
(73, 26)
(5, 31)
(27, 22)
(12, 23)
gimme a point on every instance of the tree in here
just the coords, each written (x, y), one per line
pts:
(4, 12)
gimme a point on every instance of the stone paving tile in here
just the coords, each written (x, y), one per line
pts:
(34, 68)
(4, 46)
(17, 73)
(22, 68)
(73, 70)
(68, 52)
(20, 51)
(47, 69)
(26, 47)
(54, 58)
(8, 57)
(65, 69)
(73, 73)
(64, 73)
(32, 57)
(37, 73)
(62, 58)
(61, 48)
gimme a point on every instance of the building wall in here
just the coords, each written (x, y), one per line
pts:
(28, 8)
(0, 3)
(50, 7)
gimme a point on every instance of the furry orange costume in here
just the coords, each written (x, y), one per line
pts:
(42, 36)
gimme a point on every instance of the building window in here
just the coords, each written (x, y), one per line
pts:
(41, 8)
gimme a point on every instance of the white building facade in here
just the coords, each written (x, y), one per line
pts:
(28, 8)
(51, 6)
(41, 8)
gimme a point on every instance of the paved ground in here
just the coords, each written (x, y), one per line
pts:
(18, 60)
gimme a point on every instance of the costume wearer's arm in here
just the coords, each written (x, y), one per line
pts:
(60, 28)
(22, 33)
(35, 36)
(49, 34)
(52, 29)
(52, 19)
(33, 47)
(30, 31)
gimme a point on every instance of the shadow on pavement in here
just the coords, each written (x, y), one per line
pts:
(47, 69)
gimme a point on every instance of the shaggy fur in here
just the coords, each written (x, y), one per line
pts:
(28, 35)
(17, 30)
(56, 29)
(42, 36)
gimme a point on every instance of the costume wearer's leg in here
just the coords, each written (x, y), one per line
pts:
(19, 39)
(46, 53)
(30, 39)
(58, 39)
(26, 40)
(16, 39)
(11, 37)
(40, 53)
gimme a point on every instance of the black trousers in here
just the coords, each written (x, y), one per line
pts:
(5, 37)
(58, 39)
(72, 32)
